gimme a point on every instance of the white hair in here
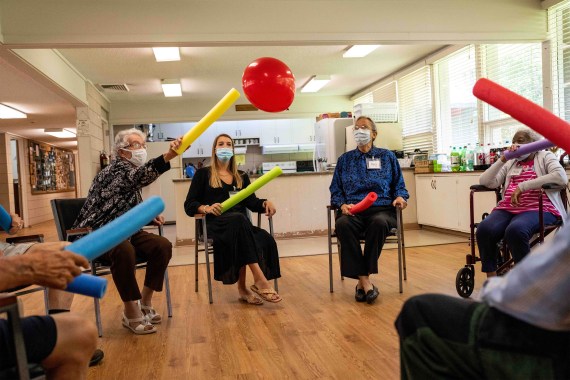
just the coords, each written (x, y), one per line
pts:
(532, 135)
(122, 139)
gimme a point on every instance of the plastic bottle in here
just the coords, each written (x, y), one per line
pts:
(469, 158)
(455, 160)
(489, 155)
(103, 160)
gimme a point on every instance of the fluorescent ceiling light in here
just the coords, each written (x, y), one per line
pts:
(59, 133)
(171, 87)
(165, 54)
(358, 51)
(11, 113)
(316, 83)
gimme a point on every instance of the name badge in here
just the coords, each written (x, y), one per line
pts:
(373, 163)
(516, 171)
(232, 193)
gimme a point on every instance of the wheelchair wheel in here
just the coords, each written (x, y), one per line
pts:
(465, 282)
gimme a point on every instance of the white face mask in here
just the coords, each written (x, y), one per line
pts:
(138, 157)
(362, 136)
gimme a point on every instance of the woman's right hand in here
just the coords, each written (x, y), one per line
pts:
(215, 209)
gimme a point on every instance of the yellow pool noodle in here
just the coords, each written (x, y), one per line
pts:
(213, 115)
(241, 195)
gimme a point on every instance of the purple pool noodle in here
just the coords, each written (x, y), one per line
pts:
(88, 285)
(528, 148)
(5, 219)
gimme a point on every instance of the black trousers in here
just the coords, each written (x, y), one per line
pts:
(442, 337)
(373, 225)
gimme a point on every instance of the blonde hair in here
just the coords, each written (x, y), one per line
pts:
(215, 180)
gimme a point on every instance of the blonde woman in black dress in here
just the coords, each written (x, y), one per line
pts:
(237, 243)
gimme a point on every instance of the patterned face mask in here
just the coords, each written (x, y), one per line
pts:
(224, 154)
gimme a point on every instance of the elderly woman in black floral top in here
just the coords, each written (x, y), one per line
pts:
(115, 190)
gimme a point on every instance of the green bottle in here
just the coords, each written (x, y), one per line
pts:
(455, 160)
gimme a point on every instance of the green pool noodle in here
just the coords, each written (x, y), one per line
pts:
(252, 188)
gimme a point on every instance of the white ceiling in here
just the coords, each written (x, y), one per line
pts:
(109, 42)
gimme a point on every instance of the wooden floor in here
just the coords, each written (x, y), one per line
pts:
(311, 334)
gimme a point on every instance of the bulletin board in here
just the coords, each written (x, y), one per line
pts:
(51, 169)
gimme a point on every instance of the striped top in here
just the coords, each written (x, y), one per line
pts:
(528, 200)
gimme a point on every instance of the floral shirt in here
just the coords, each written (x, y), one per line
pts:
(354, 177)
(117, 189)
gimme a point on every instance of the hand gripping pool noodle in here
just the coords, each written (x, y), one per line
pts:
(208, 119)
(5, 219)
(261, 181)
(107, 237)
(528, 148)
(365, 203)
(541, 120)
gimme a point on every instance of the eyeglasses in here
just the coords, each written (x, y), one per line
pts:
(360, 127)
(136, 145)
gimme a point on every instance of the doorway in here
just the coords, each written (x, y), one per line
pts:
(16, 177)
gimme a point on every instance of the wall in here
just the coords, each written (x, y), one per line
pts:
(6, 180)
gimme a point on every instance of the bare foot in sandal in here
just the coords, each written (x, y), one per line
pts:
(268, 294)
(246, 296)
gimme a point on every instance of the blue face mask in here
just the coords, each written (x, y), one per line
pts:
(224, 154)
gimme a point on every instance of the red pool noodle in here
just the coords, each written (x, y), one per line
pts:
(364, 204)
(536, 117)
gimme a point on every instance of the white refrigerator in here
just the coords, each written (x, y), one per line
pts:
(330, 142)
(163, 186)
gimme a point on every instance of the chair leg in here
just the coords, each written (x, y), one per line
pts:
(207, 252)
(339, 259)
(330, 251)
(276, 285)
(168, 299)
(196, 249)
(46, 300)
(404, 260)
(19, 344)
(399, 237)
(98, 317)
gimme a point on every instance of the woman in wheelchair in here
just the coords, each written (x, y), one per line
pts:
(515, 218)
(237, 243)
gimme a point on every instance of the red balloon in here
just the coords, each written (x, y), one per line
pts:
(269, 84)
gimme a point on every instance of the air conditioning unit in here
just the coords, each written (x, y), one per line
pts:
(379, 112)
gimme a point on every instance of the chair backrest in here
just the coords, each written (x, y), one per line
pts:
(65, 212)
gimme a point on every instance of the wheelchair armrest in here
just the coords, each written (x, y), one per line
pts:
(78, 231)
(553, 186)
(332, 208)
(199, 216)
(478, 188)
(7, 299)
(39, 238)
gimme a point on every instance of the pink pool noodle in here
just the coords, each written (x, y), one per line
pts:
(364, 204)
(536, 117)
(528, 148)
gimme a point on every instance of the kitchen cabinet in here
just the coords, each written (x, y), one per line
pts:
(443, 200)
(302, 131)
(202, 146)
(276, 132)
(240, 129)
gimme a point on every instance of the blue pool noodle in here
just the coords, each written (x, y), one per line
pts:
(5, 219)
(107, 237)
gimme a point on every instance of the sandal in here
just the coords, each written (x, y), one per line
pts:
(150, 314)
(251, 299)
(269, 294)
(141, 328)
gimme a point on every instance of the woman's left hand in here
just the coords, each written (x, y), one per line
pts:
(269, 208)
(515, 197)
(400, 202)
(158, 220)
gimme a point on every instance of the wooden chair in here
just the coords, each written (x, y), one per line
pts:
(205, 244)
(65, 212)
(396, 236)
(23, 369)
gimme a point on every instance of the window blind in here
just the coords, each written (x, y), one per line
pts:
(415, 101)
(456, 106)
(559, 35)
(517, 67)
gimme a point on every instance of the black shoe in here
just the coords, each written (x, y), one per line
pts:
(96, 358)
(359, 296)
(372, 294)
